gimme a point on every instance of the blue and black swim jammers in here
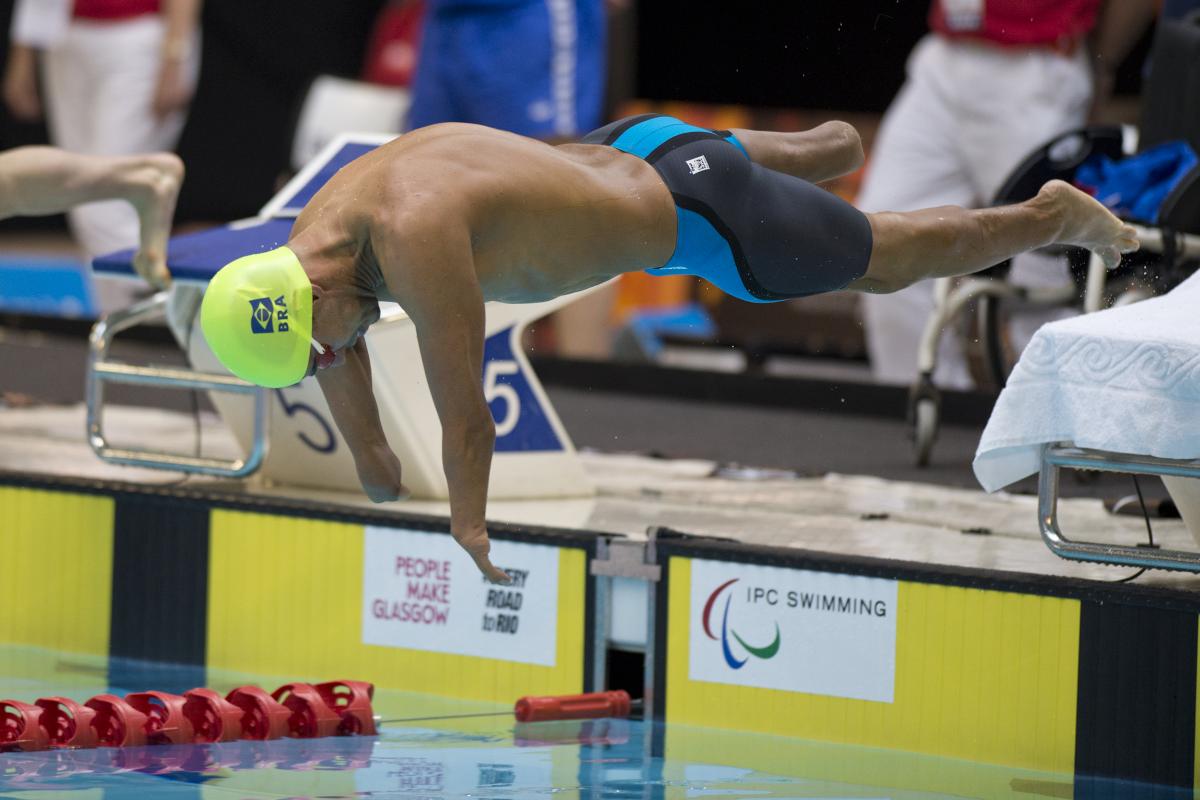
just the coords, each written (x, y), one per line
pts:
(754, 233)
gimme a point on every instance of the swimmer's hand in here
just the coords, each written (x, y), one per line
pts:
(379, 474)
(475, 541)
(386, 492)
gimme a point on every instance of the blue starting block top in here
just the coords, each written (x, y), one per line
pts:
(296, 195)
(197, 256)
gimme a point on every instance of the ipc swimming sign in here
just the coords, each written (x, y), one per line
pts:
(794, 630)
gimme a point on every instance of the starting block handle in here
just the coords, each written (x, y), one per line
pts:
(101, 371)
(1058, 456)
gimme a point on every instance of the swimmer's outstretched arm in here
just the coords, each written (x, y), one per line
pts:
(445, 303)
(351, 400)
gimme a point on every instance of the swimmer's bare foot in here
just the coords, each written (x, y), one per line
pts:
(152, 183)
(1087, 223)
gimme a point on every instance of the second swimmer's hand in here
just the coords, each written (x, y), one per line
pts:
(379, 474)
(474, 539)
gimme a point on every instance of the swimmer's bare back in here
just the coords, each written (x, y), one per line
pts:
(536, 221)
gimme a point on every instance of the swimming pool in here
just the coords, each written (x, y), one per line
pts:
(900, 682)
(434, 750)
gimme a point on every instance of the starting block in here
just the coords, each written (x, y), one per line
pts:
(288, 435)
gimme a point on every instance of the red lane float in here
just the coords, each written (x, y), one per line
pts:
(263, 717)
(573, 706)
(199, 716)
(117, 723)
(68, 723)
(213, 718)
(21, 727)
(311, 717)
(351, 701)
(165, 721)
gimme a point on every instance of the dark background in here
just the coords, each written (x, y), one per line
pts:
(830, 54)
(259, 57)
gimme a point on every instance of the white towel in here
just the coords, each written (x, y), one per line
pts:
(1126, 380)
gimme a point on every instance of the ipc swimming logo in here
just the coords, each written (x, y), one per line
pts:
(265, 313)
(764, 653)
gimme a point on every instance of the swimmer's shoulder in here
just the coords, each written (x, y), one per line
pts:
(410, 223)
(454, 134)
(412, 256)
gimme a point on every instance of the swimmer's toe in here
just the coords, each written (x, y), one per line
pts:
(1128, 241)
(1110, 255)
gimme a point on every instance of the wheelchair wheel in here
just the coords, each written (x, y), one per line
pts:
(925, 429)
(996, 358)
(924, 412)
(1003, 329)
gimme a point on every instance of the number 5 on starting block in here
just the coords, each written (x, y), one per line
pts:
(523, 424)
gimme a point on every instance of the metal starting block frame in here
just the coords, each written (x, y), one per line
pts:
(534, 457)
(101, 371)
(1056, 457)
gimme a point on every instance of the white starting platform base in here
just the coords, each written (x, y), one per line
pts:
(534, 456)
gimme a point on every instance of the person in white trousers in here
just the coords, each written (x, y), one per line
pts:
(993, 81)
(118, 75)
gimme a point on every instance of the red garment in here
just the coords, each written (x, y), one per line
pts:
(110, 10)
(395, 42)
(1059, 23)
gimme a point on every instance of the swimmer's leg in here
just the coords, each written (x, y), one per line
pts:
(46, 180)
(949, 241)
(825, 152)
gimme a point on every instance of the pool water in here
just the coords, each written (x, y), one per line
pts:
(429, 748)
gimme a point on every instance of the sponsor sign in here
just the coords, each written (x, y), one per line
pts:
(795, 630)
(421, 591)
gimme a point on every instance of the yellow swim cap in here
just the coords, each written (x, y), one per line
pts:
(257, 318)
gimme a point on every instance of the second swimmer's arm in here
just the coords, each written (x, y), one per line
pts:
(451, 345)
(443, 298)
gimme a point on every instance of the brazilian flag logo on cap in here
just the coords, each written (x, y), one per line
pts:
(262, 315)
